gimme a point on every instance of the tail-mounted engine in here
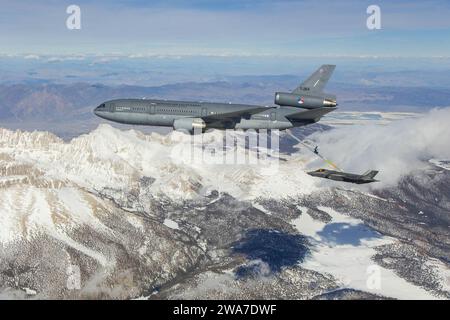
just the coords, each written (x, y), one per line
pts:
(303, 101)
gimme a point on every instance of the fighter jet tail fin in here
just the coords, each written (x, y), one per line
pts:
(370, 174)
(317, 81)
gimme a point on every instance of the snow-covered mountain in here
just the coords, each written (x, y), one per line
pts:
(121, 214)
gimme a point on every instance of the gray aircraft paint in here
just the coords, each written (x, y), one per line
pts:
(367, 177)
(188, 115)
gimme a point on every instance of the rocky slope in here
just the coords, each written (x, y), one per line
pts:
(121, 214)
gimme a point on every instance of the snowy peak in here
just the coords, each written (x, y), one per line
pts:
(24, 139)
(111, 158)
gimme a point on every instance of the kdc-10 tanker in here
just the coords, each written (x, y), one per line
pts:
(305, 105)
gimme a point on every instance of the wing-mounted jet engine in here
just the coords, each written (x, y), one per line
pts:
(189, 124)
(309, 94)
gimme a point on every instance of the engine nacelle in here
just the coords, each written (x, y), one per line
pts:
(302, 101)
(189, 124)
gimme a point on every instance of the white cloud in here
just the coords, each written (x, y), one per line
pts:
(63, 58)
(395, 149)
(31, 57)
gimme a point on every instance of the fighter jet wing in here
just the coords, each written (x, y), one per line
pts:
(244, 113)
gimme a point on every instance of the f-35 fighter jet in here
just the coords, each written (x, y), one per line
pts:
(367, 177)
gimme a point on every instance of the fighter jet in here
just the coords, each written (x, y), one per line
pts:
(303, 106)
(367, 177)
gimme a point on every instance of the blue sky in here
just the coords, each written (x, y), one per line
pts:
(227, 27)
